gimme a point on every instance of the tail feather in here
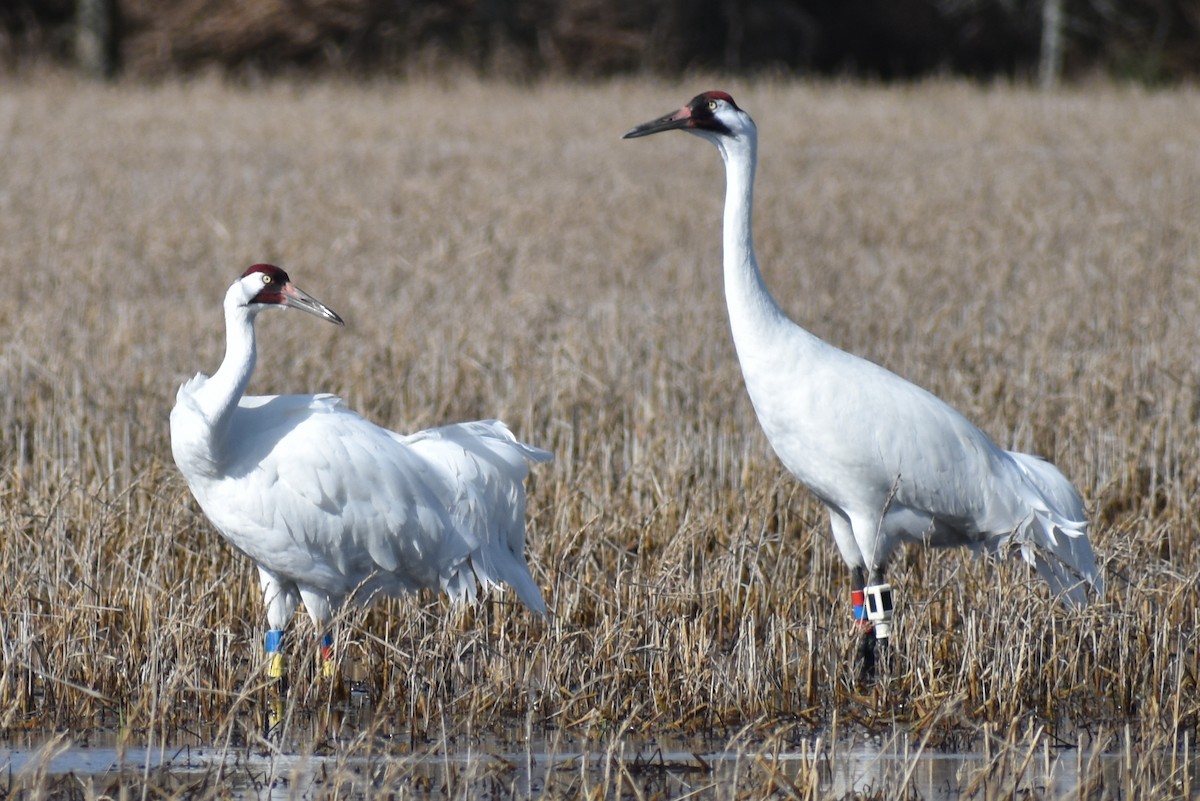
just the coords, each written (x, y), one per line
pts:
(490, 517)
(1054, 538)
(495, 567)
(492, 566)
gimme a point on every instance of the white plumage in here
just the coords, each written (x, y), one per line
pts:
(330, 506)
(890, 461)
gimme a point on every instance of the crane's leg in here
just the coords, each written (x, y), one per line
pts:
(879, 607)
(865, 654)
(281, 600)
(863, 538)
(873, 615)
(273, 646)
(320, 609)
(843, 535)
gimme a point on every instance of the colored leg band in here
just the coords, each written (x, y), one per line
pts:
(328, 668)
(276, 668)
(880, 608)
(860, 610)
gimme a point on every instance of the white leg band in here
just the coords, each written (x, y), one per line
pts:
(878, 599)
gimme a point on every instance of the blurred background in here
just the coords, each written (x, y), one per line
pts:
(1150, 41)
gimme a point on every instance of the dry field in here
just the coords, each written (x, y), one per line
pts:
(499, 251)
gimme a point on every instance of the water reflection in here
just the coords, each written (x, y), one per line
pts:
(558, 765)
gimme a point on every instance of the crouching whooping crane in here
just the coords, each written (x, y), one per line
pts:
(330, 506)
(891, 462)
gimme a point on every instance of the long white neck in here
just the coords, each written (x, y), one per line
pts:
(753, 314)
(220, 394)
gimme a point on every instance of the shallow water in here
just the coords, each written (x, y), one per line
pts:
(561, 766)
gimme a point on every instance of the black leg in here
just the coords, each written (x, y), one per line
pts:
(874, 621)
(864, 655)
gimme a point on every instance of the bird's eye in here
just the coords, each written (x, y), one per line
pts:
(266, 278)
(712, 105)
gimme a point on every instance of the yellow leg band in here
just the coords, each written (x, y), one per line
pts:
(276, 667)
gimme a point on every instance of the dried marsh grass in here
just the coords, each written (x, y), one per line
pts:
(500, 252)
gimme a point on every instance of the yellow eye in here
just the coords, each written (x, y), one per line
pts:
(266, 278)
(712, 105)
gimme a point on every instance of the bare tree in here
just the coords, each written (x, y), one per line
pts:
(1050, 63)
(96, 37)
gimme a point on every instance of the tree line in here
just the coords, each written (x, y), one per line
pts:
(1145, 40)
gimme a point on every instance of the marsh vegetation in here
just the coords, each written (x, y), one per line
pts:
(500, 252)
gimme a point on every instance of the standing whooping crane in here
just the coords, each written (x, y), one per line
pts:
(890, 461)
(330, 506)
